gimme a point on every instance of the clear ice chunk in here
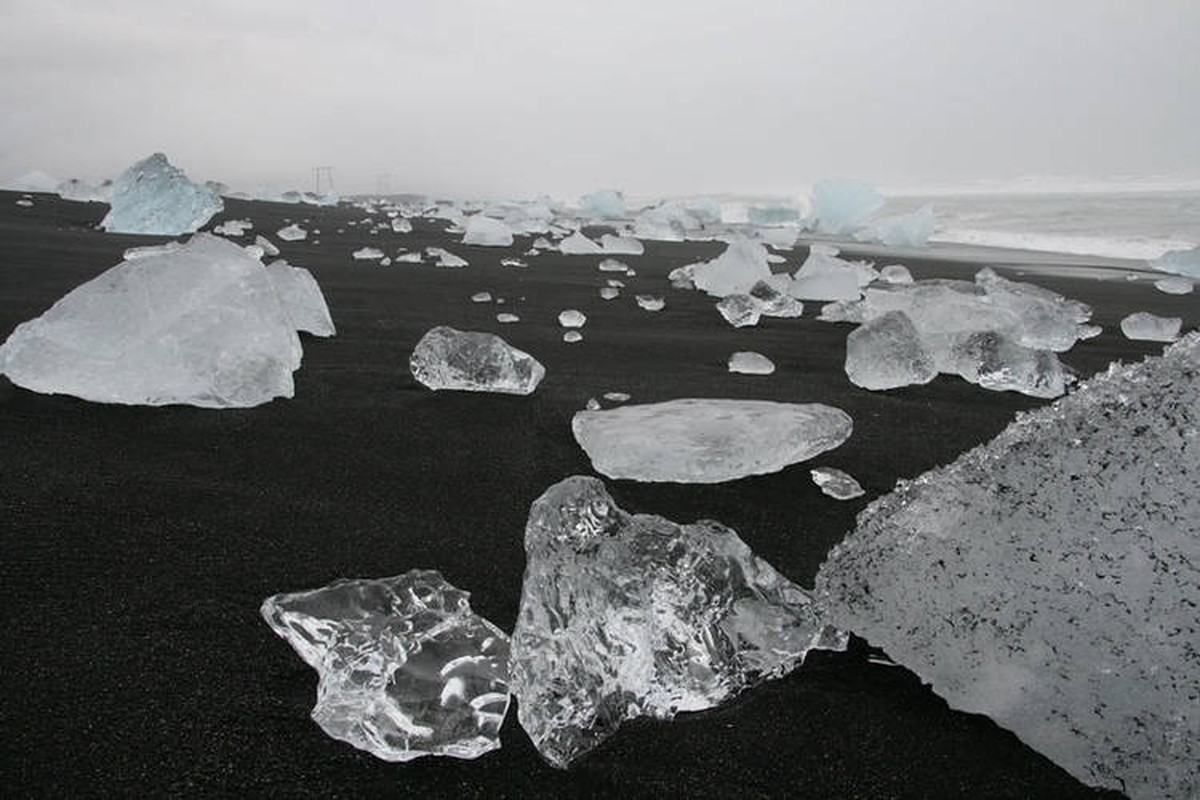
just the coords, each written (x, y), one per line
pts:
(445, 258)
(367, 254)
(473, 361)
(571, 318)
(481, 297)
(825, 277)
(628, 615)
(650, 302)
(840, 207)
(995, 362)
(301, 298)
(609, 293)
(1048, 578)
(155, 197)
(707, 440)
(578, 245)
(747, 362)
(621, 245)
(406, 668)
(901, 230)
(735, 271)
(507, 319)
(198, 324)
(1174, 285)
(612, 265)
(268, 247)
(775, 302)
(836, 484)
(292, 233)
(1149, 327)
(887, 352)
(572, 336)
(895, 273)
(233, 227)
(487, 232)
(740, 310)
(1181, 262)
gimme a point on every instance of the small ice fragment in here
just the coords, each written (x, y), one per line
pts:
(615, 283)
(1174, 285)
(1149, 327)
(572, 336)
(579, 245)
(292, 233)
(740, 310)
(445, 257)
(409, 258)
(367, 254)
(895, 273)
(266, 245)
(649, 302)
(386, 261)
(401, 225)
(592, 404)
(134, 253)
(513, 262)
(616, 397)
(24, 203)
(473, 361)
(487, 232)
(837, 484)
(571, 318)
(507, 318)
(613, 265)
(609, 293)
(233, 227)
(481, 297)
(747, 362)
(621, 245)
(773, 302)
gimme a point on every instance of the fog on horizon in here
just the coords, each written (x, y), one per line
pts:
(473, 99)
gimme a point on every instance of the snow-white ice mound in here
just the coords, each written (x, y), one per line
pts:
(735, 271)
(406, 668)
(473, 361)
(1049, 579)
(200, 324)
(707, 441)
(487, 232)
(627, 615)
(152, 196)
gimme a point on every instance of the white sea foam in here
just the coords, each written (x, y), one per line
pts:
(1141, 248)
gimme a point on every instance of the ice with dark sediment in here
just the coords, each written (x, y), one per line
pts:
(740, 310)
(836, 484)
(198, 324)
(824, 277)
(1181, 262)
(1150, 327)
(445, 258)
(650, 302)
(900, 230)
(1048, 579)
(840, 207)
(887, 352)
(292, 233)
(487, 232)
(406, 668)
(621, 245)
(579, 245)
(748, 362)
(774, 301)
(572, 318)
(697, 440)
(302, 298)
(626, 615)
(742, 264)
(1174, 285)
(155, 197)
(473, 361)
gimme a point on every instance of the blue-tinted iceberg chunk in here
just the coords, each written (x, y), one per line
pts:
(154, 197)
(842, 206)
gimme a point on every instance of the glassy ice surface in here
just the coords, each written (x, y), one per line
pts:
(488, 232)
(707, 440)
(473, 361)
(747, 362)
(649, 302)
(995, 362)
(621, 245)
(292, 233)
(837, 484)
(572, 318)
(153, 196)
(1048, 578)
(740, 310)
(887, 352)
(1151, 327)
(578, 245)
(198, 324)
(406, 669)
(841, 206)
(735, 271)
(302, 298)
(901, 230)
(1174, 285)
(628, 615)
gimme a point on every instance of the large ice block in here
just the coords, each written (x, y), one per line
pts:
(887, 352)
(604, 204)
(1151, 327)
(473, 361)
(627, 615)
(152, 196)
(302, 298)
(735, 271)
(839, 207)
(1048, 578)
(901, 230)
(707, 440)
(487, 232)
(406, 668)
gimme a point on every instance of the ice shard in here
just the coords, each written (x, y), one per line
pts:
(199, 324)
(747, 362)
(406, 668)
(1150, 327)
(155, 197)
(735, 271)
(740, 310)
(823, 277)
(707, 440)
(292, 233)
(579, 245)
(473, 361)
(1048, 578)
(836, 484)
(626, 615)
(487, 232)
(887, 352)
(301, 298)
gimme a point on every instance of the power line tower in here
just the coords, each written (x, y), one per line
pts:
(323, 173)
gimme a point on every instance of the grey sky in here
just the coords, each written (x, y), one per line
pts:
(474, 98)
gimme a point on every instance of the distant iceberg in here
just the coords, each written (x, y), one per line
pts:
(840, 206)
(35, 181)
(604, 204)
(154, 197)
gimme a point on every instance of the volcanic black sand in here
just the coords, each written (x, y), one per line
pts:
(138, 543)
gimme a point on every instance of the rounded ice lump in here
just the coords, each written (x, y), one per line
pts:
(473, 361)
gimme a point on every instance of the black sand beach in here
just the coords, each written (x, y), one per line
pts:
(136, 544)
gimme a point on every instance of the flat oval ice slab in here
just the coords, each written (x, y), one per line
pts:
(707, 441)
(406, 668)
(473, 361)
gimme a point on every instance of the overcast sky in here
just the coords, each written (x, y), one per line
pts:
(488, 98)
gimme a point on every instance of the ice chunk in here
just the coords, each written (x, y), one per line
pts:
(152, 196)
(302, 298)
(481, 297)
(707, 441)
(488, 232)
(292, 233)
(773, 214)
(84, 192)
(747, 362)
(628, 615)
(887, 352)
(609, 293)
(841, 206)
(837, 484)
(401, 225)
(735, 271)
(578, 245)
(35, 181)
(473, 361)
(406, 668)
(612, 265)
(1174, 285)
(775, 303)
(233, 227)
(740, 310)
(1182, 262)
(649, 302)
(616, 397)
(621, 245)
(445, 258)
(901, 230)
(200, 324)
(570, 337)
(1151, 327)
(134, 253)
(995, 362)
(513, 262)
(1048, 578)
(24, 202)
(572, 318)
(895, 273)
(367, 254)
(824, 276)
(507, 318)
(409, 258)
(604, 204)
(267, 246)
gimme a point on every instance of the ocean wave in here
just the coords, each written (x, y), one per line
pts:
(1141, 248)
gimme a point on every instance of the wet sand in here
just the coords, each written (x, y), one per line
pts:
(136, 544)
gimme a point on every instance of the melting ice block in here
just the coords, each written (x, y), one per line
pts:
(650, 302)
(1150, 327)
(292, 233)
(473, 361)
(445, 258)
(1048, 578)
(406, 668)
(747, 362)
(1182, 262)
(1174, 285)
(707, 441)
(578, 245)
(367, 254)
(887, 352)
(901, 230)
(152, 196)
(735, 271)
(993, 361)
(774, 302)
(571, 318)
(627, 615)
(740, 310)
(837, 484)
(823, 277)
(199, 324)
(621, 245)
(488, 232)
(841, 206)
(604, 204)
(302, 298)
